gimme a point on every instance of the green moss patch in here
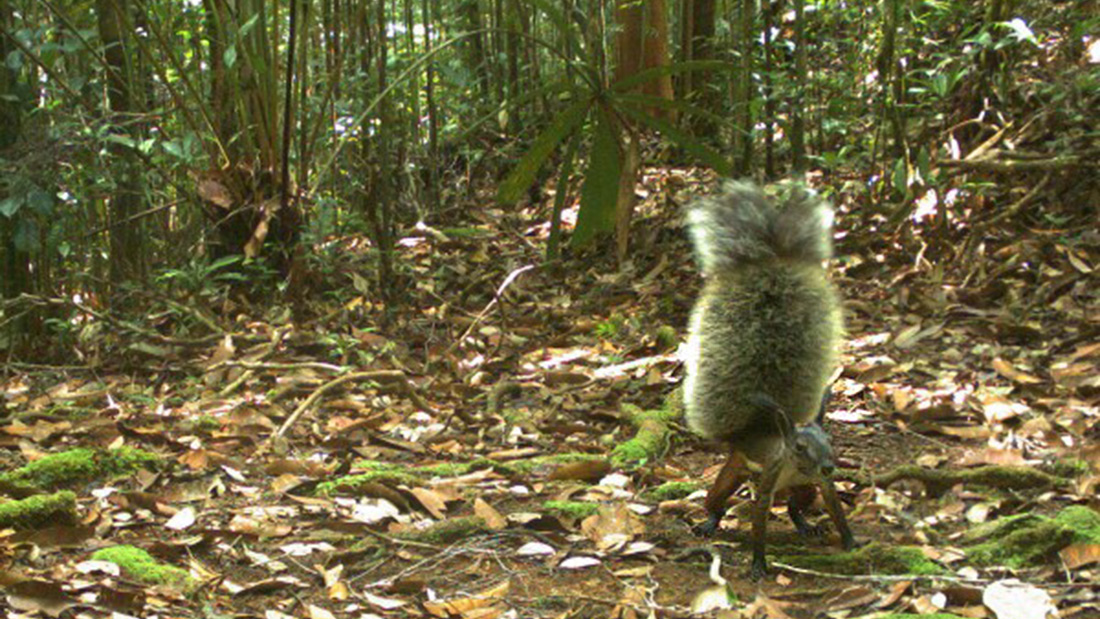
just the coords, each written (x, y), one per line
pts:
(390, 473)
(671, 490)
(78, 466)
(39, 511)
(351, 484)
(1027, 539)
(447, 531)
(547, 464)
(572, 509)
(874, 558)
(142, 567)
(938, 481)
(650, 441)
(666, 337)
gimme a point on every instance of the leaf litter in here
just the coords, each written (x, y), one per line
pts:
(456, 461)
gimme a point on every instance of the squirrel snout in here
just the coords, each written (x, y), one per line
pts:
(827, 470)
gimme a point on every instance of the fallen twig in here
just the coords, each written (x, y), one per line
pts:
(378, 375)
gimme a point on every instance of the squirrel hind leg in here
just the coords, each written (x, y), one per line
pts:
(730, 478)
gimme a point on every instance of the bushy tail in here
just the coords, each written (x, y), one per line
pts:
(740, 225)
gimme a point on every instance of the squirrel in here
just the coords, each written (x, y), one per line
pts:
(761, 349)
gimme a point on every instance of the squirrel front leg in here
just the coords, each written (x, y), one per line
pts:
(836, 513)
(802, 497)
(765, 493)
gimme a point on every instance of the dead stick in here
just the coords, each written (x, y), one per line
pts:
(382, 375)
(496, 298)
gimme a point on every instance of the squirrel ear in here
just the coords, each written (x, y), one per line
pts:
(782, 420)
(786, 425)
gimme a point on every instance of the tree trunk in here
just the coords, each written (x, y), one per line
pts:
(768, 93)
(16, 270)
(643, 44)
(743, 91)
(126, 240)
(801, 78)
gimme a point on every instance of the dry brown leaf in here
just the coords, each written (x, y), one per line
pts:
(466, 607)
(612, 527)
(215, 193)
(998, 409)
(285, 483)
(897, 590)
(431, 501)
(851, 597)
(55, 537)
(582, 470)
(907, 337)
(1080, 555)
(251, 526)
(558, 378)
(773, 609)
(967, 432)
(493, 519)
(39, 596)
(1006, 369)
(993, 455)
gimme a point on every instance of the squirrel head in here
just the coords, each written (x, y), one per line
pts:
(811, 450)
(806, 446)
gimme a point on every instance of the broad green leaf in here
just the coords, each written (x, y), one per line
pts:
(25, 238)
(249, 25)
(230, 56)
(173, 148)
(523, 175)
(224, 262)
(10, 206)
(561, 192)
(41, 202)
(901, 176)
(685, 141)
(118, 138)
(671, 69)
(601, 184)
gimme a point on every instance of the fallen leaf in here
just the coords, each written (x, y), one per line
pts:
(39, 596)
(582, 470)
(851, 597)
(1012, 599)
(381, 602)
(183, 519)
(1080, 555)
(715, 597)
(612, 527)
(1006, 369)
(578, 563)
(469, 607)
(534, 549)
(432, 501)
(493, 519)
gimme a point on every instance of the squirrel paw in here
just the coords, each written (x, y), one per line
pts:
(708, 528)
(811, 530)
(759, 568)
(849, 542)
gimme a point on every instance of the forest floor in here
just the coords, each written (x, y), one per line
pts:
(478, 423)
